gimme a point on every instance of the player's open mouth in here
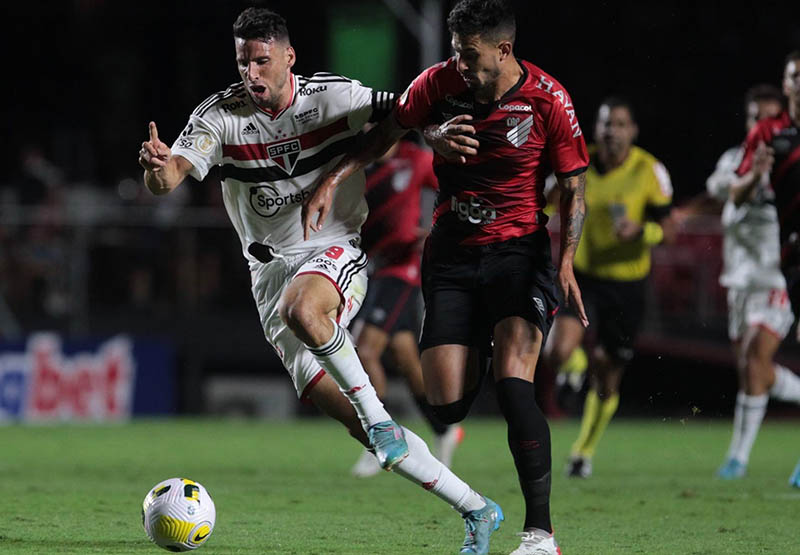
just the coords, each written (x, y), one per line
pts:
(258, 88)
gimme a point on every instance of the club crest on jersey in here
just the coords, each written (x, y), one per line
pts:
(518, 135)
(285, 154)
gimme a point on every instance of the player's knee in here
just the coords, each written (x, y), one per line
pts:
(451, 413)
(298, 315)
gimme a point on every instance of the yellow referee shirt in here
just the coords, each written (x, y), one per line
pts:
(639, 188)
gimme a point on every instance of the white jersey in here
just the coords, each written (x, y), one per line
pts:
(751, 248)
(269, 163)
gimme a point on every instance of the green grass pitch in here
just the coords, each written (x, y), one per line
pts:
(285, 488)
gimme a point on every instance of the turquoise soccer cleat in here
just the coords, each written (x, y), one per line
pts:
(732, 470)
(479, 525)
(389, 442)
(794, 479)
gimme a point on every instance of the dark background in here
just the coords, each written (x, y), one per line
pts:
(89, 74)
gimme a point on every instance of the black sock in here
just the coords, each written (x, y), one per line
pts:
(529, 441)
(437, 425)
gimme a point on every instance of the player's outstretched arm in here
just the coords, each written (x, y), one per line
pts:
(572, 211)
(162, 171)
(454, 140)
(367, 150)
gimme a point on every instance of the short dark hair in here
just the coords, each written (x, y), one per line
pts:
(619, 102)
(762, 92)
(791, 57)
(485, 18)
(260, 24)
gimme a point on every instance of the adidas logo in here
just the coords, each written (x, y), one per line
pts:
(250, 129)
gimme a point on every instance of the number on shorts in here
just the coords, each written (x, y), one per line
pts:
(334, 252)
(778, 297)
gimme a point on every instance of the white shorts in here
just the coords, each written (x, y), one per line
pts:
(344, 265)
(768, 308)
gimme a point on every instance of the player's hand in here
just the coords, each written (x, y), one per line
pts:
(316, 207)
(626, 230)
(154, 154)
(763, 158)
(453, 140)
(571, 292)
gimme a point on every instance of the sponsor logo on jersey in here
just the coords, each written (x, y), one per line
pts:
(306, 116)
(547, 86)
(307, 91)
(456, 102)
(235, 105)
(518, 135)
(267, 201)
(515, 108)
(474, 211)
(250, 129)
(285, 154)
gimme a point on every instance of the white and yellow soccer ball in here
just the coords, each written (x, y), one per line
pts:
(178, 514)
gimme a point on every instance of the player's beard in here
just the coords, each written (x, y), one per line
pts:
(271, 97)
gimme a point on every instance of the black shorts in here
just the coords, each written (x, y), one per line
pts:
(467, 290)
(392, 304)
(615, 310)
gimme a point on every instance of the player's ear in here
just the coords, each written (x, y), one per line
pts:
(291, 57)
(506, 49)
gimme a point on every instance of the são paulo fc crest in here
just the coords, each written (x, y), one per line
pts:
(285, 154)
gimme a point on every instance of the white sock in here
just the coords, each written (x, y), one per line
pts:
(339, 359)
(425, 470)
(738, 412)
(786, 386)
(753, 408)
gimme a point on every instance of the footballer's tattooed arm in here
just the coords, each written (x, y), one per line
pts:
(573, 212)
(368, 148)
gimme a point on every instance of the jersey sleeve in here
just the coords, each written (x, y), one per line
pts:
(414, 106)
(368, 105)
(200, 143)
(718, 184)
(659, 194)
(754, 137)
(567, 149)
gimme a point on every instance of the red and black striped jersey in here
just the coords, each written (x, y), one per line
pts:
(527, 134)
(783, 136)
(391, 234)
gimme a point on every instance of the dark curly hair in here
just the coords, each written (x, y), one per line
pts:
(492, 19)
(260, 24)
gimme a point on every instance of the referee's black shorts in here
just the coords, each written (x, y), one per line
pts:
(615, 309)
(467, 290)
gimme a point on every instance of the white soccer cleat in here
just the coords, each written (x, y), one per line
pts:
(445, 445)
(366, 466)
(537, 542)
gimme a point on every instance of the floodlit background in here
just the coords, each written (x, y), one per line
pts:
(146, 301)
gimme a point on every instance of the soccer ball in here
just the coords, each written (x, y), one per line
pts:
(178, 514)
